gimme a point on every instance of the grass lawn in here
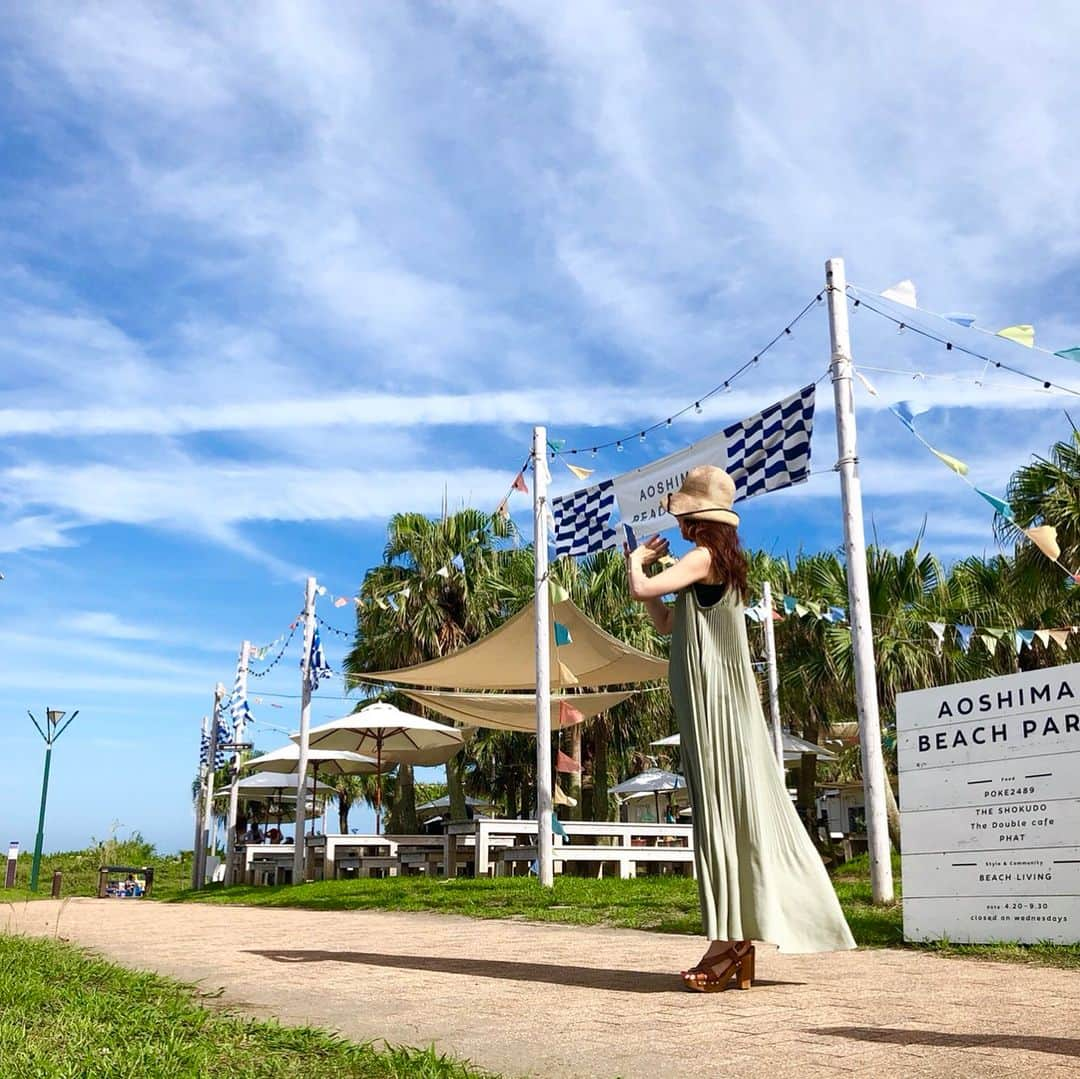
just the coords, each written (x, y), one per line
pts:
(662, 904)
(64, 1013)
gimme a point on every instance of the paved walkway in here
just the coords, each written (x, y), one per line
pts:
(547, 1000)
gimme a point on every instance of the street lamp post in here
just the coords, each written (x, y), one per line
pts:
(51, 733)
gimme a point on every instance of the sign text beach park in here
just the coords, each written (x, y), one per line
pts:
(990, 808)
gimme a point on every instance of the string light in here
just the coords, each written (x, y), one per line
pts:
(641, 437)
(1047, 384)
(721, 387)
(277, 659)
(618, 447)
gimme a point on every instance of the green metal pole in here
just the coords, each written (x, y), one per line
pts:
(35, 868)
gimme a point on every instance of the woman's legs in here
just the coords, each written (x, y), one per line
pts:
(718, 964)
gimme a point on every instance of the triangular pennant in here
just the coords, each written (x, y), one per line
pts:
(1043, 637)
(520, 484)
(1022, 335)
(1069, 354)
(989, 641)
(443, 571)
(902, 292)
(562, 635)
(1060, 637)
(569, 715)
(557, 828)
(963, 634)
(558, 593)
(1045, 538)
(556, 444)
(565, 763)
(906, 411)
(406, 592)
(997, 634)
(961, 320)
(458, 563)
(358, 600)
(790, 604)
(954, 463)
(837, 614)
(801, 610)
(1022, 638)
(753, 613)
(1000, 505)
(503, 510)
(321, 590)
(340, 601)
(938, 629)
(577, 470)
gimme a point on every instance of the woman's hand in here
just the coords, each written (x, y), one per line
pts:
(652, 550)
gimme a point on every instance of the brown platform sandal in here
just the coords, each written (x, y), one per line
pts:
(714, 975)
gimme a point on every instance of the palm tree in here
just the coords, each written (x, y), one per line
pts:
(348, 790)
(419, 606)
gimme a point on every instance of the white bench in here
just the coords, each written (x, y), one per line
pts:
(627, 858)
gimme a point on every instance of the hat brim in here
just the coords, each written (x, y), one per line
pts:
(684, 509)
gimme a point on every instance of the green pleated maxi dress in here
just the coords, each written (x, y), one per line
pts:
(759, 875)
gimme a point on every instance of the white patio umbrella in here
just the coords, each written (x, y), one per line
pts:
(286, 760)
(266, 786)
(651, 781)
(391, 736)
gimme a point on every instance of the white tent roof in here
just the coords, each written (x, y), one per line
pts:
(506, 658)
(648, 782)
(794, 747)
(512, 711)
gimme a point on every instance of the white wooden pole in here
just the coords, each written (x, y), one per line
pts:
(543, 661)
(299, 840)
(234, 786)
(774, 680)
(862, 640)
(198, 858)
(211, 823)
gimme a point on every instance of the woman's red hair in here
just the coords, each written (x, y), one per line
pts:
(722, 542)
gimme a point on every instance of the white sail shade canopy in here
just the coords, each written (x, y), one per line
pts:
(506, 658)
(514, 711)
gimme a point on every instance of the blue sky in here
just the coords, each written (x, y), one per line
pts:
(267, 281)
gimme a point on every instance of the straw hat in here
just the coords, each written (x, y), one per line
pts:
(706, 494)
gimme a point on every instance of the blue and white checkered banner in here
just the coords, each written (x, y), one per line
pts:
(582, 520)
(317, 667)
(764, 452)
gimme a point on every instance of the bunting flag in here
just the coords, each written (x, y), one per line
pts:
(791, 604)
(1060, 637)
(1023, 638)
(1045, 538)
(867, 384)
(902, 292)
(558, 593)
(938, 630)
(962, 320)
(582, 520)
(999, 505)
(569, 715)
(989, 642)
(443, 571)
(562, 635)
(556, 444)
(340, 601)
(566, 764)
(1022, 335)
(557, 828)
(503, 510)
(954, 463)
(1069, 354)
(317, 665)
(458, 563)
(1043, 637)
(406, 591)
(577, 470)
(906, 411)
(837, 614)
(520, 484)
(963, 634)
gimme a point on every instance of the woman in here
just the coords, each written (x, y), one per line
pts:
(759, 876)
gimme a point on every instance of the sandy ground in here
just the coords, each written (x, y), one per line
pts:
(547, 1000)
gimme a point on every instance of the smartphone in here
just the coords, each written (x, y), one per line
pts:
(631, 539)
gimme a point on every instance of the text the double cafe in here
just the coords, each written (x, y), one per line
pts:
(1000, 729)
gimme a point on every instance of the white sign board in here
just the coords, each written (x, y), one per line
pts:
(990, 808)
